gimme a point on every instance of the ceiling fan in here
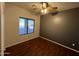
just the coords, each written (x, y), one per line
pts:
(46, 8)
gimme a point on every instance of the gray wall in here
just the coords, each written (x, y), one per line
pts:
(62, 28)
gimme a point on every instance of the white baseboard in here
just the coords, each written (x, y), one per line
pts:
(21, 42)
(60, 44)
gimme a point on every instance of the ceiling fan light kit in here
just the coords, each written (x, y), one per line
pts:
(46, 8)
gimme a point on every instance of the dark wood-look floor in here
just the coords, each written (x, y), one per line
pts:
(39, 47)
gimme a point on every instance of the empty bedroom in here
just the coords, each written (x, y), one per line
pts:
(41, 29)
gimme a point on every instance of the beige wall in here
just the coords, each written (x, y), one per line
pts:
(0, 27)
(12, 13)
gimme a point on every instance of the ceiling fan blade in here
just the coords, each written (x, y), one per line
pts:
(54, 7)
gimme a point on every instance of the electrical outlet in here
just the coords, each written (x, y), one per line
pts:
(73, 44)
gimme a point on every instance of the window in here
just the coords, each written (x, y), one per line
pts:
(26, 26)
(22, 26)
(30, 26)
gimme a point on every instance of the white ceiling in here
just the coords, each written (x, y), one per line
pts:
(61, 5)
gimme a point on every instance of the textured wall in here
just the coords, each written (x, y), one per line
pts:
(62, 28)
